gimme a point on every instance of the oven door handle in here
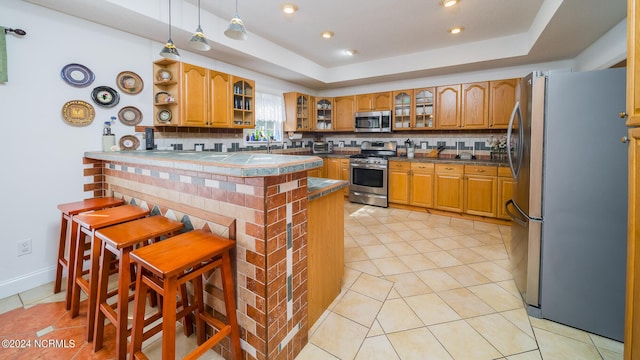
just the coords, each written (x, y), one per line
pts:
(368, 166)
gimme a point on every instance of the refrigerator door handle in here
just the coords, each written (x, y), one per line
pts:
(516, 112)
(521, 220)
(524, 218)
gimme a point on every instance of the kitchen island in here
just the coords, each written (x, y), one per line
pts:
(260, 200)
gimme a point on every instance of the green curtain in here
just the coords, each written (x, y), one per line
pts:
(4, 76)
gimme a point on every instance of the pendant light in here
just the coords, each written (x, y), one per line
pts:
(169, 50)
(198, 40)
(236, 29)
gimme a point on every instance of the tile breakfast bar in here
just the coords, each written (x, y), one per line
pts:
(262, 201)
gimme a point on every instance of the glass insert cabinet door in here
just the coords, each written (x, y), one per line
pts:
(402, 109)
(324, 114)
(424, 108)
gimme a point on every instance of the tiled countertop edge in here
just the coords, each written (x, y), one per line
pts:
(241, 165)
(319, 187)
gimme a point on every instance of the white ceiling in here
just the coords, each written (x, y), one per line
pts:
(394, 40)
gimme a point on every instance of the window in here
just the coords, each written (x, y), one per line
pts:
(269, 119)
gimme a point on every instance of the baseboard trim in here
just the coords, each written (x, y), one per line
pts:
(26, 282)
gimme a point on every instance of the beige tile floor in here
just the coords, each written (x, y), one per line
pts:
(419, 286)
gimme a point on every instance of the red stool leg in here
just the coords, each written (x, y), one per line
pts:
(62, 244)
(228, 289)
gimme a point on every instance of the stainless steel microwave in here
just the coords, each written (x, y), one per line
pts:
(374, 121)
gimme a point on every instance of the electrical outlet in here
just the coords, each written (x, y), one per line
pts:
(24, 247)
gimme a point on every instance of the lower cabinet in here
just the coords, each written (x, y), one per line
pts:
(505, 190)
(480, 190)
(448, 187)
(461, 188)
(338, 169)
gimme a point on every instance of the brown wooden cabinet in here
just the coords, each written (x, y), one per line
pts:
(448, 187)
(399, 183)
(338, 169)
(299, 110)
(325, 252)
(424, 105)
(194, 89)
(422, 178)
(632, 312)
(323, 114)
(373, 102)
(502, 99)
(411, 183)
(344, 113)
(243, 102)
(448, 106)
(219, 99)
(166, 92)
(475, 105)
(480, 190)
(403, 115)
(505, 191)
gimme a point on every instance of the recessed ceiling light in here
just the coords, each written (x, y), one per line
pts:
(350, 52)
(327, 34)
(289, 8)
(456, 30)
(448, 3)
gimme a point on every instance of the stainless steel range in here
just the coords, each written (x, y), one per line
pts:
(369, 173)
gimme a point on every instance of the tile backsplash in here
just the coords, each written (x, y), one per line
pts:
(477, 143)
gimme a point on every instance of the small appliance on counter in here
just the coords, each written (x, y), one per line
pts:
(149, 139)
(321, 147)
(411, 150)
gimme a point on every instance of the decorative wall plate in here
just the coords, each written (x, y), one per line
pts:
(77, 75)
(129, 82)
(129, 142)
(164, 116)
(78, 113)
(130, 115)
(164, 97)
(164, 75)
(105, 96)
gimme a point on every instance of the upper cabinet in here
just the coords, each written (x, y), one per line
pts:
(243, 103)
(194, 96)
(344, 113)
(424, 105)
(298, 109)
(323, 111)
(502, 99)
(475, 105)
(373, 102)
(448, 106)
(166, 91)
(194, 88)
(403, 110)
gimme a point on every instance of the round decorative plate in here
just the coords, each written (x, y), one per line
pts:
(130, 115)
(78, 113)
(164, 75)
(129, 82)
(105, 96)
(77, 75)
(164, 116)
(129, 142)
(163, 97)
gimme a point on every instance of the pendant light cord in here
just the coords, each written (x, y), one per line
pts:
(198, 13)
(170, 20)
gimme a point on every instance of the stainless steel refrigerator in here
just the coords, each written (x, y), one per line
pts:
(569, 205)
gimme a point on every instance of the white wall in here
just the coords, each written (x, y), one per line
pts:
(41, 155)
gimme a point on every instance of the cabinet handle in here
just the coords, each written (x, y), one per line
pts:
(480, 170)
(624, 139)
(623, 115)
(448, 168)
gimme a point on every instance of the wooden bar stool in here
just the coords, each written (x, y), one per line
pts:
(163, 267)
(119, 241)
(87, 225)
(68, 211)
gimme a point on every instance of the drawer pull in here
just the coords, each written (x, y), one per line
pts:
(480, 170)
(448, 168)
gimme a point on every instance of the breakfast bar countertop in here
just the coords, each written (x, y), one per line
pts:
(232, 164)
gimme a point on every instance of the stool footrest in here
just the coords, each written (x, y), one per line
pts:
(207, 345)
(217, 324)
